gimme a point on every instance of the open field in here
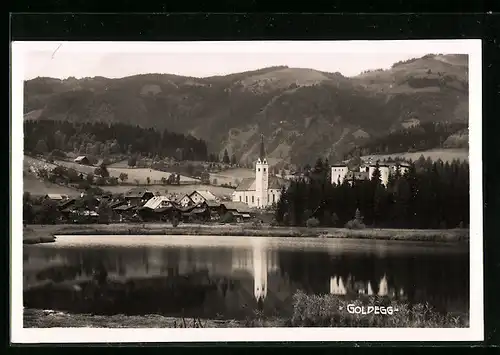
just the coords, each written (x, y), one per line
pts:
(434, 154)
(179, 189)
(33, 232)
(134, 174)
(30, 163)
(35, 186)
(232, 176)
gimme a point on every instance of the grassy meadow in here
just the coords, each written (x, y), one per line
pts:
(35, 186)
(135, 175)
(33, 233)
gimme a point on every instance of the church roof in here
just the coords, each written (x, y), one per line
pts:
(248, 184)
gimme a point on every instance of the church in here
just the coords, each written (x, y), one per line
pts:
(263, 190)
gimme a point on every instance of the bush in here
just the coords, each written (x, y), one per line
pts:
(227, 218)
(331, 310)
(312, 222)
(355, 224)
(57, 153)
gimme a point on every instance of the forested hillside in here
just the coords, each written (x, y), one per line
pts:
(302, 112)
(103, 139)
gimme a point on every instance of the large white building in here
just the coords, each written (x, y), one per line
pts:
(340, 172)
(263, 190)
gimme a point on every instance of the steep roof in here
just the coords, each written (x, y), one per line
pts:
(274, 182)
(237, 206)
(247, 184)
(136, 192)
(207, 195)
(80, 158)
(55, 196)
(156, 202)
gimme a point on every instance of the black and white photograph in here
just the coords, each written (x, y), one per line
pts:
(238, 191)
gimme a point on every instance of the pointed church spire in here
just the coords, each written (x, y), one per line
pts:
(262, 153)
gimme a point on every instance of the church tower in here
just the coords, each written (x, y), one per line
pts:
(261, 177)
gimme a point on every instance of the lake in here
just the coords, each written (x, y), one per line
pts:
(231, 277)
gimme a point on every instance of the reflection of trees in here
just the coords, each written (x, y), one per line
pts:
(432, 278)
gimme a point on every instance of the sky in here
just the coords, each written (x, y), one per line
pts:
(115, 60)
(61, 63)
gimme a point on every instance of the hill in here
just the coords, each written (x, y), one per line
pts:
(302, 112)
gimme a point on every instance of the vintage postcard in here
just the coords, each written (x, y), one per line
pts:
(246, 191)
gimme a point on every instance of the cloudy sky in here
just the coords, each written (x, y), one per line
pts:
(118, 60)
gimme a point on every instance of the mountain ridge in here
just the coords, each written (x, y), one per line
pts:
(303, 113)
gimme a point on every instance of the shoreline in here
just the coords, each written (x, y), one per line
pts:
(36, 234)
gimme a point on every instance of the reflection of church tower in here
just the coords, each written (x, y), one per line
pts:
(261, 177)
(259, 272)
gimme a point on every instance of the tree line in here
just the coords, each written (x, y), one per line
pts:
(101, 139)
(430, 195)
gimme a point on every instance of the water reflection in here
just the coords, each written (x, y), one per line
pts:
(230, 282)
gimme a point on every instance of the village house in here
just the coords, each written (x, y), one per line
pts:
(262, 190)
(157, 202)
(83, 160)
(200, 196)
(240, 211)
(185, 201)
(56, 197)
(138, 196)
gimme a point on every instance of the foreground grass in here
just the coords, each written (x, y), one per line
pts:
(332, 311)
(308, 311)
(35, 318)
(40, 233)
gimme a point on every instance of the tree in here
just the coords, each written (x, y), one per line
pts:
(334, 219)
(105, 212)
(132, 161)
(41, 147)
(205, 178)
(178, 179)
(28, 214)
(376, 177)
(48, 213)
(123, 177)
(104, 170)
(225, 158)
(90, 178)
(233, 159)
(171, 179)
(148, 180)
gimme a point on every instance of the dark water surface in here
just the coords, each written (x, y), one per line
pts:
(231, 277)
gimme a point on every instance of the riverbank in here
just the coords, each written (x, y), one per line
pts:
(45, 233)
(308, 311)
(37, 318)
